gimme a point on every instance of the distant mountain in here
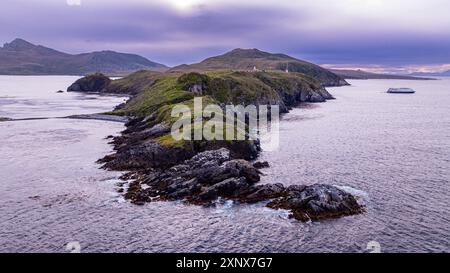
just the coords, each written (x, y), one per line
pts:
(248, 59)
(363, 75)
(432, 74)
(24, 58)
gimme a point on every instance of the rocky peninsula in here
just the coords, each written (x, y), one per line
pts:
(202, 172)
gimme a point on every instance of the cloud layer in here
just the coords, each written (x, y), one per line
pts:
(383, 32)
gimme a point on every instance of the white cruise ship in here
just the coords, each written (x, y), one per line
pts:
(401, 91)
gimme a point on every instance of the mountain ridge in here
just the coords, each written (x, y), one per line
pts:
(21, 57)
(255, 59)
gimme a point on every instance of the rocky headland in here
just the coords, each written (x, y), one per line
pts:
(202, 172)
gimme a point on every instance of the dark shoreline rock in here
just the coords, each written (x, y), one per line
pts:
(317, 202)
(211, 175)
(261, 165)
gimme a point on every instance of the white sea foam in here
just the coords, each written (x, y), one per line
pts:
(361, 196)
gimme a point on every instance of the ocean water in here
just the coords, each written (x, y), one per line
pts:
(392, 151)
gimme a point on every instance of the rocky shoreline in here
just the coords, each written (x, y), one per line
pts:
(211, 175)
(202, 172)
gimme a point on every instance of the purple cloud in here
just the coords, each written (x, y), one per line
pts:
(322, 32)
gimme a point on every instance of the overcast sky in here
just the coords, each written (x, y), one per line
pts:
(399, 34)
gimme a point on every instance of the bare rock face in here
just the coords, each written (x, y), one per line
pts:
(261, 165)
(92, 83)
(317, 202)
(149, 154)
(200, 180)
(215, 174)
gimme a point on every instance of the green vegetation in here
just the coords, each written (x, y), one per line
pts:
(134, 83)
(164, 92)
(169, 142)
(248, 59)
(158, 97)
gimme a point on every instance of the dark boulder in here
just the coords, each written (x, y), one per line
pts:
(265, 192)
(149, 154)
(261, 165)
(317, 202)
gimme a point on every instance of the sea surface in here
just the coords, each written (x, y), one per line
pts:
(390, 150)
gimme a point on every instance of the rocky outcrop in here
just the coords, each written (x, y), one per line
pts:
(145, 155)
(201, 172)
(215, 174)
(261, 165)
(140, 147)
(92, 83)
(317, 202)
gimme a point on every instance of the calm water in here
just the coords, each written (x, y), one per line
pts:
(391, 150)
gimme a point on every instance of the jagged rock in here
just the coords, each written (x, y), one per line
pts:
(317, 202)
(201, 179)
(325, 94)
(261, 165)
(149, 154)
(264, 192)
(214, 174)
(229, 188)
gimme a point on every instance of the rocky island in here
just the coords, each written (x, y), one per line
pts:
(202, 172)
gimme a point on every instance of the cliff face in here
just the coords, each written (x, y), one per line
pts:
(249, 59)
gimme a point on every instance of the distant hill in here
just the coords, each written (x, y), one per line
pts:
(24, 58)
(363, 75)
(432, 74)
(248, 59)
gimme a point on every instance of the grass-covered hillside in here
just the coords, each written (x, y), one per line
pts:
(148, 135)
(223, 87)
(134, 83)
(248, 59)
